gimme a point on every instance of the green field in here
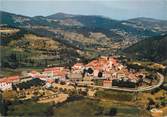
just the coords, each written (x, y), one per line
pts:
(94, 108)
(115, 95)
(28, 108)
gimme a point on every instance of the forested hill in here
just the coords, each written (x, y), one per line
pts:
(154, 49)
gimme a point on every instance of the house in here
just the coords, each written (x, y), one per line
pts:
(98, 65)
(49, 82)
(78, 67)
(107, 83)
(114, 75)
(61, 75)
(112, 62)
(120, 67)
(96, 72)
(131, 76)
(107, 75)
(6, 83)
(121, 75)
(57, 72)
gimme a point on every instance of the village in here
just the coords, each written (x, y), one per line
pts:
(106, 72)
(57, 84)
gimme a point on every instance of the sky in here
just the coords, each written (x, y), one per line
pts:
(115, 9)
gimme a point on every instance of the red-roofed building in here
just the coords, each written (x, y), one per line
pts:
(50, 81)
(96, 72)
(107, 75)
(6, 83)
(112, 62)
(58, 72)
(77, 68)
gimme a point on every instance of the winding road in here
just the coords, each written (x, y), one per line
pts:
(140, 89)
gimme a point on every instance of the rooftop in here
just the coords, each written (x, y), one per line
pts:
(9, 79)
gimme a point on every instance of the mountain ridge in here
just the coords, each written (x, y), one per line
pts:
(69, 14)
(133, 28)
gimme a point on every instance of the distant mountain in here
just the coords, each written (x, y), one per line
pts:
(60, 16)
(147, 23)
(13, 19)
(86, 20)
(132, 29)
(154, 49)
(148, 20)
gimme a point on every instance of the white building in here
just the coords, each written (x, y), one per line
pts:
(5, 86)
(6, 83)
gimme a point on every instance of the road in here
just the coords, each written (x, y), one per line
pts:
(140, 89)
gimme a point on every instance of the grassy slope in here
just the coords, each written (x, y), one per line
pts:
(28, 108)
(107, 100)
(83, 107)
(24, 49)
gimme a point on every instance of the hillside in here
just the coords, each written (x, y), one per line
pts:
(147, 23)
(110, 25)
(116, 29)
(63, 39)
(153, 49)
(42, 47)
(27, 49)
(13, 19)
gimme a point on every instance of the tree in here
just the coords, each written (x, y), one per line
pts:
(3, 107)
(100, 74)
(90, 70)
(110, 112)
(113, 112)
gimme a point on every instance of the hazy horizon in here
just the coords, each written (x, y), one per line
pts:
(120, 10)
